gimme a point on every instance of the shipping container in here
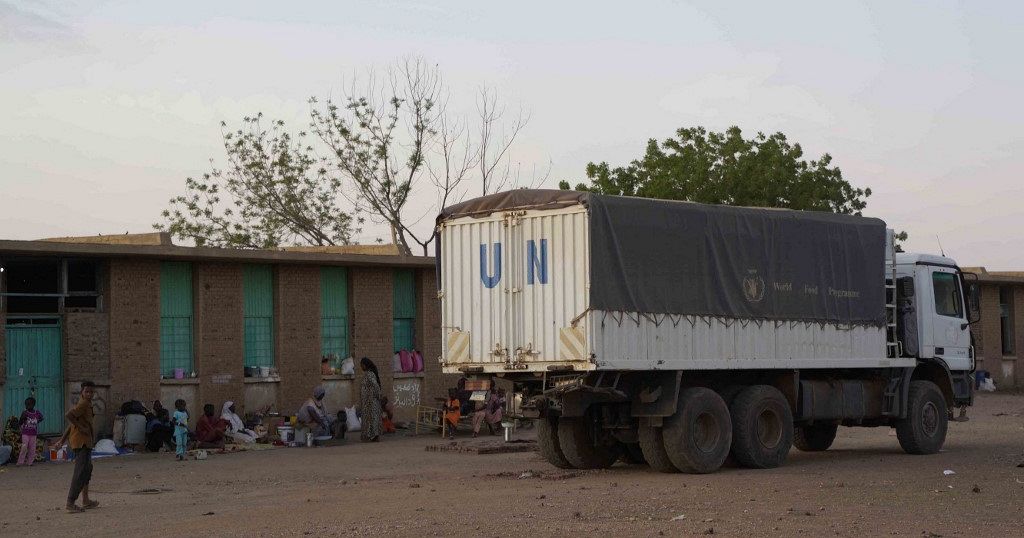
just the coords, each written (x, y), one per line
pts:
(515, 295)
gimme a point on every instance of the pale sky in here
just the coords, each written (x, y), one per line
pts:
(106, 107)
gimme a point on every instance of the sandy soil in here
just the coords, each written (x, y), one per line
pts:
(864, 486)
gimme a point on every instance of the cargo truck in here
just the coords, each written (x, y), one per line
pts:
(678, 334)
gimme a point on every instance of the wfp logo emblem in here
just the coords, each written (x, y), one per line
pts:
(753, 287)
(536, 263)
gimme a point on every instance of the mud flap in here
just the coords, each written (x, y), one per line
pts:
(657, 395)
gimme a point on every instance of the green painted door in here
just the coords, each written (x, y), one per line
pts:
(258, 308)
(334, 314)
(404, 308)
(34, 369)
(175, 317)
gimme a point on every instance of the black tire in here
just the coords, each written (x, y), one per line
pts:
(762, 427)
(728, 394)
(923, 431)
(652, 443)
(581, 449)
(814, 437)
(699, 434)
(547, 442)
(632, 454)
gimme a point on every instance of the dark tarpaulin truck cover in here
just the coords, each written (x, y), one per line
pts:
(682, 258)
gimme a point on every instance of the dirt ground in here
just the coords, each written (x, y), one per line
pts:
(863, 486)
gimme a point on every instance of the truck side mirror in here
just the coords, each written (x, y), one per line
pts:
(972, 288)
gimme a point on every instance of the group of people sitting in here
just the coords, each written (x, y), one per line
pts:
(460, 404)
(211, 431)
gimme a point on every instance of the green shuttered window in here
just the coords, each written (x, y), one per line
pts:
(175, 317)
(404, 305)
(334, 314)
(258, 308)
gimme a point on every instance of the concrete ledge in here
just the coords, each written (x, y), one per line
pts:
(271, 379)
(337, 377)
(98, 382)
(403, 375)
(186, 381)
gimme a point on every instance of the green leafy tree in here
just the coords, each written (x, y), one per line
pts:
(726, 168)
(274, 191)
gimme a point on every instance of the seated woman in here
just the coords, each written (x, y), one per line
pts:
(236, 428)
(210, 429)
(491, 412)
(314, 416)
(159, 431)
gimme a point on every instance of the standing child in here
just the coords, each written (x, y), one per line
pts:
(180, 420)
(29, 421)
(452, 412)
(81, 438)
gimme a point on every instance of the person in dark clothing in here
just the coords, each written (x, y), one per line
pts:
(159, 431)
(80, 438)
(467, 406)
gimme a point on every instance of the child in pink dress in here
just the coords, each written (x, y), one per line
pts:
(29, 421)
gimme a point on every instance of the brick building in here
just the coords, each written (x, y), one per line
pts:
(999, 335)
(149, 320)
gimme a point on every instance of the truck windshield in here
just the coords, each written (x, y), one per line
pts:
(947, 295)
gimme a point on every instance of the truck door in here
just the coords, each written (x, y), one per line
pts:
(950, 336)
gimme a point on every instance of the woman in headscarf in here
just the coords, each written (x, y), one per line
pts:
(369, 398)
(313, 415)
(236, 428)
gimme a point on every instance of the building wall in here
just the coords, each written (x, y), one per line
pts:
(372, 331)
(988, 337)
(218, 332)
(134, 330)
(86, 346)
(428, 339)
(297, 333)
(119, 346)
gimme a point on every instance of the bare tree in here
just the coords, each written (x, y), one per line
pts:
(493, 146)
(387, 140)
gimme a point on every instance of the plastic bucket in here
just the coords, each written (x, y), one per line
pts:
(286, 433)
(264, 371)
(134, 429)
(179, 373)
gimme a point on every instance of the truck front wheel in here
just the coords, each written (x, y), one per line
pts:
(699, 434)
(762, 427)
(815, 437)
(547, 442)
(585, 445)
(923, 431)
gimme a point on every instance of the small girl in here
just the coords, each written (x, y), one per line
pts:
(452, 412)
(180, 420)
(29, 421)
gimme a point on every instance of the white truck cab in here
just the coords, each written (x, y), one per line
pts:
(935, 289)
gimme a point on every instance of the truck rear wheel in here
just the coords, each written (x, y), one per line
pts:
(652, 443)
(762, 427)
(923, 431)
(699, 434)
(547, 442)
(585, 445)
(815, 437)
